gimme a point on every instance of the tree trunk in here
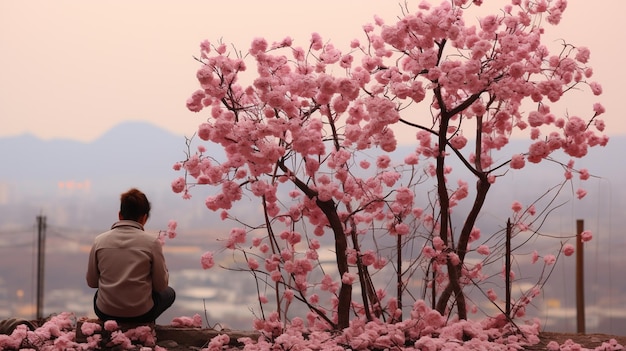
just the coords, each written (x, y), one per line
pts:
(341, 246)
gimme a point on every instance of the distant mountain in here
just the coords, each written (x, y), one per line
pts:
(129, 149)
(38, 175)
(141, 149)
(79, 183)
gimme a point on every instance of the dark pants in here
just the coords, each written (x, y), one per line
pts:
(162, 301)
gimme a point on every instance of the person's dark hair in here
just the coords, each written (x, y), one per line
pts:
(133, 205)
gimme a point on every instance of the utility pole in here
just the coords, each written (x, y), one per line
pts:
(41, 254)
(580, 279)
(507, 265)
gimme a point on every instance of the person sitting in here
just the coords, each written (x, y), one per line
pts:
(128, 268)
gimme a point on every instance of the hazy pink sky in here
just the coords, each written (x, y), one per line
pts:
(74, 69)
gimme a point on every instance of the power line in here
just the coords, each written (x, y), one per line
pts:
(14, 245)
(84, 231)
(65, 233)
(17, 231)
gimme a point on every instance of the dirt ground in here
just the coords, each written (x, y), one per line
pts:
(587, 341)
(186, 339)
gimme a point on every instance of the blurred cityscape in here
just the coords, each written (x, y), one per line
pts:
(76, 187)
(228, 298)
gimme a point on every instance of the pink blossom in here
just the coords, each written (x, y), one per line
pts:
(404, 196)
(599, 124)
(596, 88)
(328, 284)
(207, 260)
(120, 339)
(314, 244)
(580, 193)
(368, 257)
(223, 215)
(438, 243)
(178, 185)
(582, 54)
(253, 264)
(346, 61)
(143, 334)
(586, 236)
(171, 229)
(237, 236)
(264, 248)
(348, 278)
(390, 178)
(522, 226)
(535, 133)
(454, 258)
(89, 328)
(517, 161)
(204, 131)
(171, 225)
(286, 255)
(411, 159)
(184, 321)
(276, 276)
(474, 234)
(516, 207)
(64, 342)
(383, 161)
(429, 251)
(259, 45)
(535, 119)
(492, 295)
(549, 259)
(553, 346)
(568, 249)
(483, 250)
(205, 46)
(287, 41)
(401, 229)
(583, 174)
(218, 342)
(598, 109)
(489, 23)
(458, 142)
(534, 257)
(110, 325)
(316, 41)
(288, 295)
(538, 151)
(568, 174)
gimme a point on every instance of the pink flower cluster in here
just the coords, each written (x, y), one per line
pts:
(184, 321)
(59, 333)
(424, 330)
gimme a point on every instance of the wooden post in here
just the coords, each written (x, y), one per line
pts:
(580, 282)
(41, 254)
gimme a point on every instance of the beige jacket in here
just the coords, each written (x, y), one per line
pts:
(126, 264)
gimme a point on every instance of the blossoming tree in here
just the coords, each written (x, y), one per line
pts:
(309, 133)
